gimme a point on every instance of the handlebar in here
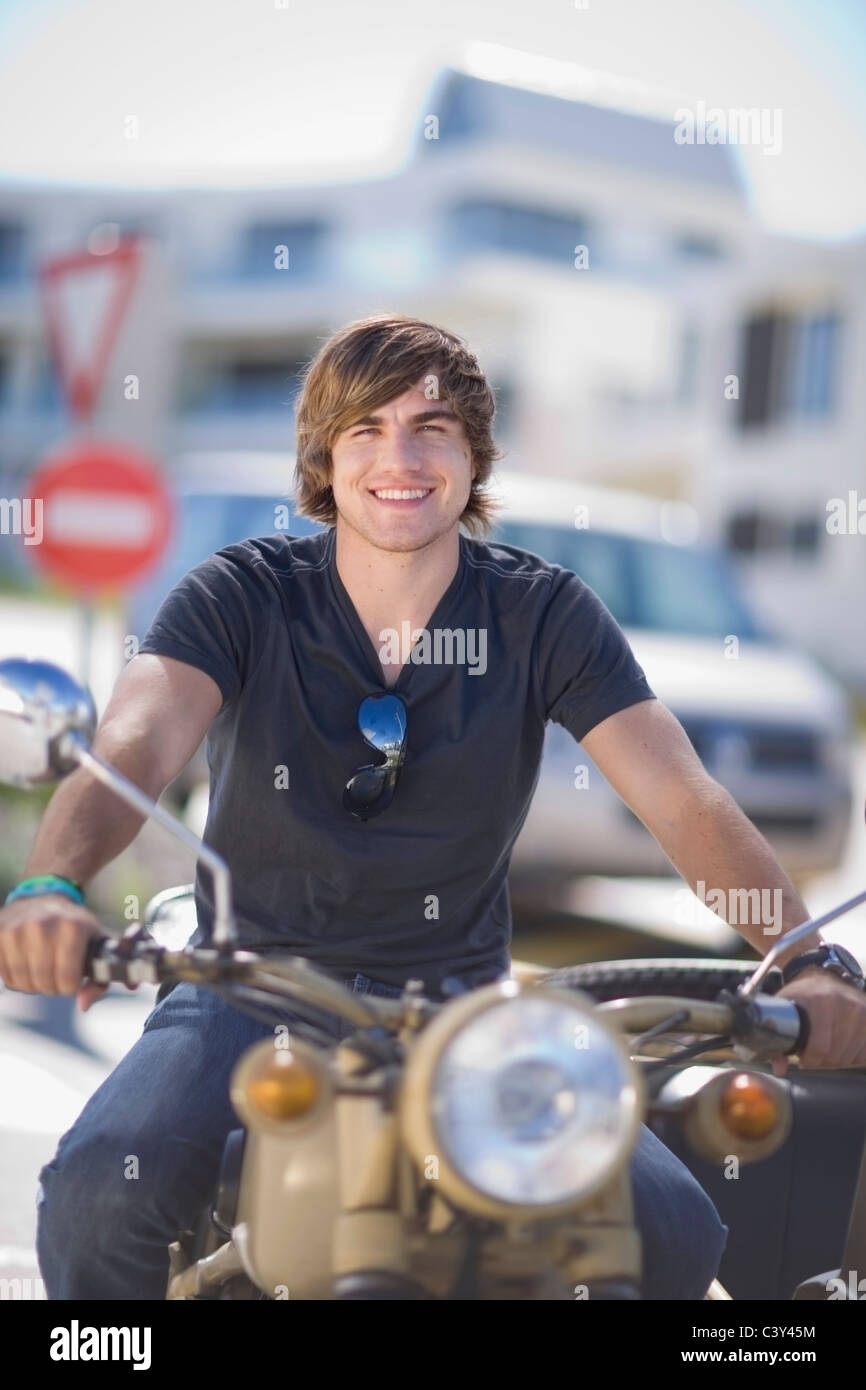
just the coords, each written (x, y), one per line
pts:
(763, 1024)
(111, 969)
(766, 1025)
(136, 958)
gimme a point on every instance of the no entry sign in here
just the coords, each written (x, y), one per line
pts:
(106, 516)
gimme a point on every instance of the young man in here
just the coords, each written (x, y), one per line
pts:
(270, 646)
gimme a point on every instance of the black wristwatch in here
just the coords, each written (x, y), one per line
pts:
(828, 957)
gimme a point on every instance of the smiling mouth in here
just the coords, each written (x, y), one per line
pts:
(401, 494)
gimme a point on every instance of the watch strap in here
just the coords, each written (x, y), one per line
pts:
(822, 957)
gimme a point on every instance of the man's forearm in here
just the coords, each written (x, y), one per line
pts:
(726, 860)
(86, 825)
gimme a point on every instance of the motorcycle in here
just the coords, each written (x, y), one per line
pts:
(473, 1149)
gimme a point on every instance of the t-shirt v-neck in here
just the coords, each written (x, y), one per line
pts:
(362, 637)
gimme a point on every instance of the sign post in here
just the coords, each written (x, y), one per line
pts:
(106, 512)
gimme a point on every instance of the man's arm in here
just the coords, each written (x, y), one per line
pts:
(159, 712)
(647, 758)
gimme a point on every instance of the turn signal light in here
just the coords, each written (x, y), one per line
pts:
(284, 1087)
(748, 1108)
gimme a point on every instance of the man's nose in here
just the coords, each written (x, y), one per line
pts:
(401, 449)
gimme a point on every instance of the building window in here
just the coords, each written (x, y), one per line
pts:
(789, 366)
(753, 532)
(699, 248)
(13, 268)
(806, 532)
(486, 224)
(248, 387)
(258, 253)
(812, 371)
(761, 353)
(687, 373)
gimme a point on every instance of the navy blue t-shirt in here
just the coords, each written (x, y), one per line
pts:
(419, 890)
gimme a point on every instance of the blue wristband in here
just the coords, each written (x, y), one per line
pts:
(42, 884)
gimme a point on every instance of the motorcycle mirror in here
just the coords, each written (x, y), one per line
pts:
(170, 917)
(47, 724)
(46, 718)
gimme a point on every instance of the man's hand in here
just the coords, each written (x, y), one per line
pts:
(837, 1021)
(43, 941)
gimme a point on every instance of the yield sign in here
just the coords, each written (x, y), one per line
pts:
(85, 297)
(106, 515)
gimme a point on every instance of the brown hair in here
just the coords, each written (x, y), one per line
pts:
(369, 363)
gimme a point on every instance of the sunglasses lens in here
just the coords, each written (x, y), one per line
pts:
(366, 786)
(369, 792)
(382, 721)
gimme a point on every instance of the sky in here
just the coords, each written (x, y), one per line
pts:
(274, 92)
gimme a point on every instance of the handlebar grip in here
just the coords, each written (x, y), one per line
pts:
(93, 952)
(803, 1035)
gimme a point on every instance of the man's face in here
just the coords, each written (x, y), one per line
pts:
(402, 474)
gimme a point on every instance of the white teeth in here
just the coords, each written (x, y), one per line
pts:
(391, 494)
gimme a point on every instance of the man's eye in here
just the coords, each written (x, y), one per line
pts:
(432, 427)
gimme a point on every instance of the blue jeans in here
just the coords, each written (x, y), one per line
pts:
(142, 1160)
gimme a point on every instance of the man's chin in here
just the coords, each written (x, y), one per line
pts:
(402, 540)
(403, 545)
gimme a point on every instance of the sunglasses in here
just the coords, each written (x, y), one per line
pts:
(382, 720)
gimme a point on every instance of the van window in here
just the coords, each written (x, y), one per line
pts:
(589, 553)
(644, 583)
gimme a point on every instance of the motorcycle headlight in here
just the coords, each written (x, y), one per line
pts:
(520, 1100)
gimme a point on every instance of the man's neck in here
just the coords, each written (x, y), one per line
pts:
(396, 577)
(390, 587)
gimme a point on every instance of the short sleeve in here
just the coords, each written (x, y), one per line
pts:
(205, 621)
(586, 668)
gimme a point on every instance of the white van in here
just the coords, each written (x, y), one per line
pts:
(768, 724)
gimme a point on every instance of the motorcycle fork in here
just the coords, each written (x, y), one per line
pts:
(601, 1244)
(594, 1252)
(370, 1228)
